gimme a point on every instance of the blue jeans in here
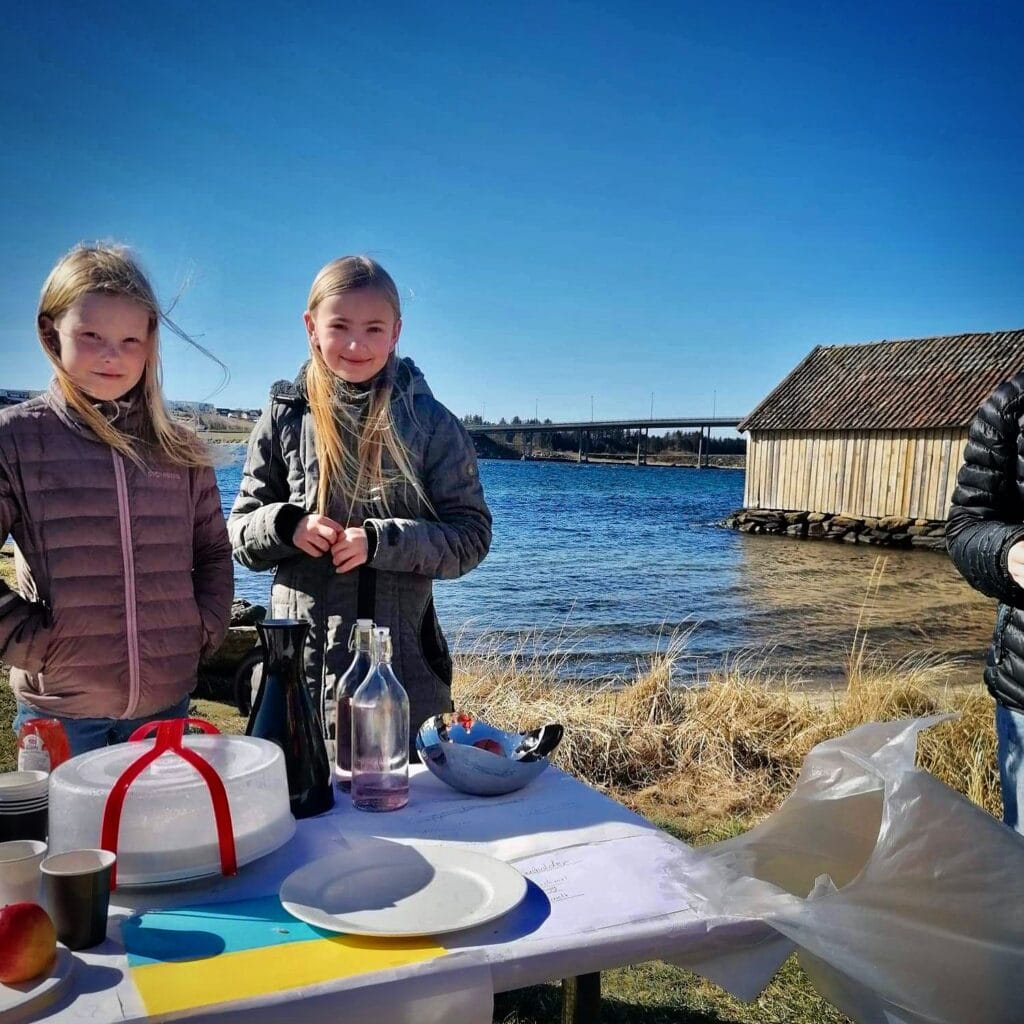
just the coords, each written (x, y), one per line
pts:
(92, 733)
(1010, 738)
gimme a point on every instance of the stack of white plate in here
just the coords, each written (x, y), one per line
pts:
(23, 802)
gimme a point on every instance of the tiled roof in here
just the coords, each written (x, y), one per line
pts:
(891, 385)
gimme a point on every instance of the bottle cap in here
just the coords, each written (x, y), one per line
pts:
(363, 626)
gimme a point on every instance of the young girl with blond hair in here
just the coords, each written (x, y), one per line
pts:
(360, 489)
(123, 561)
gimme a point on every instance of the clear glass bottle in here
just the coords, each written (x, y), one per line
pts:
(380, 734)
(360, 643)
(328, 714)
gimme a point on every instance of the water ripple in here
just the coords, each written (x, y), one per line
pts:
(616, 557)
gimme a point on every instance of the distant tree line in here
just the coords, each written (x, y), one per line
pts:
(612, 441)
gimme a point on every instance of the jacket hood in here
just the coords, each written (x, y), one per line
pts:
(125, 413)
(409, 381)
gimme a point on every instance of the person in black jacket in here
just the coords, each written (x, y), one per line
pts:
(985, 538)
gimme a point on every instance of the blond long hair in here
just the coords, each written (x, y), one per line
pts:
(350, 446)
(113, 270)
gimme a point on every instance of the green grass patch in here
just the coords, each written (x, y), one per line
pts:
(656, 993)
(8, 746)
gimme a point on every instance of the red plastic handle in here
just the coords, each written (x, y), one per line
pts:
(200, 723)
(169, 735)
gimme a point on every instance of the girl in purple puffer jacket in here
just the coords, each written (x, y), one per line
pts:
(123, 560)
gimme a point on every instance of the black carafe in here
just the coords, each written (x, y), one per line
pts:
(284, 713)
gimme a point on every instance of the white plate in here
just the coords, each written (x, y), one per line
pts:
(25, 1001)
(397, 891)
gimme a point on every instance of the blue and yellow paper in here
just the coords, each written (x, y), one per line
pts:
(194, 957)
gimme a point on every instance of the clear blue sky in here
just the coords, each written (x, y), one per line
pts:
(576, 199)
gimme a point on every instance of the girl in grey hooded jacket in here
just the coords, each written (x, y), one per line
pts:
(399, 505)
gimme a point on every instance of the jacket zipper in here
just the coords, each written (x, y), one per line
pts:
(130, 608)
(999, 643)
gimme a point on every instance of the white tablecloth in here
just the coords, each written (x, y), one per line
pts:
(611, 890)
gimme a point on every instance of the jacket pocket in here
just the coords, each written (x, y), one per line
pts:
(40, 633)
(999, 635)
(200, 630)
(434, 647)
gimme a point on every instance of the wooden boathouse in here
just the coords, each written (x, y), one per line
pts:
(870, 435)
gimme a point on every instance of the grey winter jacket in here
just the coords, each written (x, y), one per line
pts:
(125, 573)
(986, 520)
(279, 485)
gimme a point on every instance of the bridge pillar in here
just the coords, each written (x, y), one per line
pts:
(700, 449)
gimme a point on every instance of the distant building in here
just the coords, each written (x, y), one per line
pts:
(239, 414)
(11, 396)
(192, 407)
(874, 430)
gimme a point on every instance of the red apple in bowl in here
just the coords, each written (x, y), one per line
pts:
(28, 942)
(491, 746)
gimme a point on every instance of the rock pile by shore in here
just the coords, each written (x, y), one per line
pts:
(888, 531)
(217, 672)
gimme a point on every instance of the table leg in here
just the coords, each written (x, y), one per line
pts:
(581, 999)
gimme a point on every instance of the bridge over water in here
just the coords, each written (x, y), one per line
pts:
(585, 429)
(572, 426)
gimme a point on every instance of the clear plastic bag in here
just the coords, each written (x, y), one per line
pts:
(903, 900)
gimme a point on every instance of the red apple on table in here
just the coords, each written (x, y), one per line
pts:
(28, 942)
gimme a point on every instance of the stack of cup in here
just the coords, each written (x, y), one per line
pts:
(24, 802)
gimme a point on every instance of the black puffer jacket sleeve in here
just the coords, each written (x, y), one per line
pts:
(987, 517)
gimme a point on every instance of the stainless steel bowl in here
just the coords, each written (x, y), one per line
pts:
(473, 756)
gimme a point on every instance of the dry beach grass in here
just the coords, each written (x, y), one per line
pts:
(731, 745)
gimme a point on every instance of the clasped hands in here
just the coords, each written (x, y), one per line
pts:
(317, 535)
(1015, 563)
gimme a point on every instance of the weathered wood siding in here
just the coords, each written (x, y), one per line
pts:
(855, 473)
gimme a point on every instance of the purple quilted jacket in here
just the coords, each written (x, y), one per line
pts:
(125, 573)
